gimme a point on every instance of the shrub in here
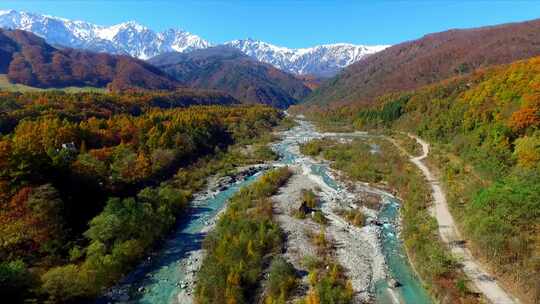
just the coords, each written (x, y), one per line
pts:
(264, 153)
(281, 281)
(319, 239)
(309, 198)
(14, 279)
(329, 285)
(319, 217)
(68, 283)
(353, 216)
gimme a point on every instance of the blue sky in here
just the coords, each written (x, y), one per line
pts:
(299, 23)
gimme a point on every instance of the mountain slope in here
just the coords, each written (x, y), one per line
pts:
(322, 61)
(131, 38)
(229, 70)
(430, 59)
(29, 60)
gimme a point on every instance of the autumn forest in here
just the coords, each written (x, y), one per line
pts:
(139, 166)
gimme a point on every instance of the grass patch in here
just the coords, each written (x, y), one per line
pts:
(327, 280)
(353, 216)
(319, 217)
(409, 144)
(282, 280)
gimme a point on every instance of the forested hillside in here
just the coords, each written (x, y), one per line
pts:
(229, 70)
(81, 106)
(486, 131)
(90, 182)
(29, 60)
(432, 58)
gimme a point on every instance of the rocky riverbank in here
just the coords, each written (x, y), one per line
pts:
(357, 249)
(192, 263)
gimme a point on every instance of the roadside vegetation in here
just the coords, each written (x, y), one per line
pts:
(411, 146)
(242, 242)
(90, 182)
(392, 170)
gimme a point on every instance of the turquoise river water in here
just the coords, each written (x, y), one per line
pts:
(156, 280)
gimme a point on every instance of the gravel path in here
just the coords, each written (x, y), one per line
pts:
(449, 233)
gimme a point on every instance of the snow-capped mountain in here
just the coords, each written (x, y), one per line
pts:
(322, 60)
(128, 38)
(139, 41)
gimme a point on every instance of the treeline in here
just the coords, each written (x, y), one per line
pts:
(240, 245)
(486, 130)
(81, 192)
(16, 106)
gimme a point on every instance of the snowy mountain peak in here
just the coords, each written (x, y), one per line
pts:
(5, 12)
(135, 39)
(131, 26)
(131, 37)
(323, 60)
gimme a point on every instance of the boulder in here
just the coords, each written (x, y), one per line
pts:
(393, 283)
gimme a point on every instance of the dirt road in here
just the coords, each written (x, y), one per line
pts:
(449, 233)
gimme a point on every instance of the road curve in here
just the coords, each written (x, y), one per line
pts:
(484, 282)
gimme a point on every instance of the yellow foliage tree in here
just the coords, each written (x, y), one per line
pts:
(313, 297)
(527, 151)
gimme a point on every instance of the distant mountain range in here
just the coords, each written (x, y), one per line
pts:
(131, 38)
(323, 60)
(430, 59)
(217, 73)
(230, 70)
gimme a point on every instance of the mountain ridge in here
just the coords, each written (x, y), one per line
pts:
(229, 70)
(322, 60)
(127, 38)
(136, 40)
(27, 59)
(429, 59)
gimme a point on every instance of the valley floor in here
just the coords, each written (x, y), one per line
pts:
(362, 251)
(359, 250)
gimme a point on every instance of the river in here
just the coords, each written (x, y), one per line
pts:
(160, 278)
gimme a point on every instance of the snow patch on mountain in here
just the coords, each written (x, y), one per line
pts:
(130, 38)
(322, 60)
